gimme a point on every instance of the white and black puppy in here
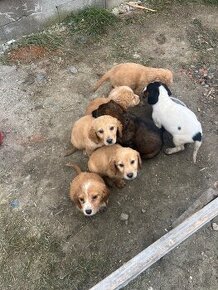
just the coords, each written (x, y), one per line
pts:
(178, 120)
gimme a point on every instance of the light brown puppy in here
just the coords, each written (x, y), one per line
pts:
(88, 191)
(135, 76)
(122, 95)
(89, 133)
(116, 162)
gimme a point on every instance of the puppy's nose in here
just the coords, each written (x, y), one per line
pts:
(109, 141)
(88, 211)
(130, 175)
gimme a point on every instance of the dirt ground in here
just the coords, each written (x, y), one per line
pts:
(46, 243)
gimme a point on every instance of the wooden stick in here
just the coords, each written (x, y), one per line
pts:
(203, 199)
(130, 270)
(140, 7)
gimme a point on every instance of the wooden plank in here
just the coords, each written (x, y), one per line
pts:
(203, 199)
(130, 270)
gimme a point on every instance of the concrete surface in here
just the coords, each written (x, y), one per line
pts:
(21, 17)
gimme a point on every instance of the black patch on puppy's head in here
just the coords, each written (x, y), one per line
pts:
(152, 92)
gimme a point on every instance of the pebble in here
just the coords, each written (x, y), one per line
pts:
(136, 56)
(72, 69)
(124, 217)
(41, 78)
(143, 210)
(215, 226)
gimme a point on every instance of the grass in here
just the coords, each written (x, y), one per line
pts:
(91, 21)
(45, 39)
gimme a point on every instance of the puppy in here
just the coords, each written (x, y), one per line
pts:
(122, 95)
(115, 162)
(88, 191)
(178, 120)
(141, 135)
(89, 133)
(135, 76)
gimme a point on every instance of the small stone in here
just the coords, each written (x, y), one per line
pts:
(199, 109)
(216, 183)
(150, 288)
(41, 78)
(72, 69)
(14, 203)
(129, 232)
(143, 210)
(115, 11)
(215, 226)
(124, 217)
(136, 56)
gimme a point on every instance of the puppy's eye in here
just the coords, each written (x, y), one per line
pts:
(112, 128)
(132, 162)
(82, 200)
(94, 197)
(101, 131)
(121, 165)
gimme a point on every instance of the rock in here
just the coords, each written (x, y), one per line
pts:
(143, 210)
(14, 203)
(136, 56)
(115, 11)
(124, 217)
(215, 226)
(72, 69)
(41, 77)
(199, 109)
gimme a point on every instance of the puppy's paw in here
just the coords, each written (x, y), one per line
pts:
(168, 151)
(120, 183)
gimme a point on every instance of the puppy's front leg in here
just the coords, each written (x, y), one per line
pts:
(120, 183)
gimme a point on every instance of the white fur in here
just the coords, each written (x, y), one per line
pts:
(171, 115)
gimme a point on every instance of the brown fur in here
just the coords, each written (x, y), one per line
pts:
(89, 188)
(89, 133)
(122, 95)
(107, 161)
(141, 135)
(135, 76)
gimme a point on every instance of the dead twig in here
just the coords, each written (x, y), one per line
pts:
(136, 5)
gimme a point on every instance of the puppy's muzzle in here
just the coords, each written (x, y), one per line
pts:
(88, 211)
(109, 141)
(130, 176)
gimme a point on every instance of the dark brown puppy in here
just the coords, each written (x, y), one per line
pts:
(141, 135)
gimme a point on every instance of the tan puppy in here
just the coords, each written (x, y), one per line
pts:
(135, 76)
(122, 95)
(88, 191)
(89, 133)
(116, 162)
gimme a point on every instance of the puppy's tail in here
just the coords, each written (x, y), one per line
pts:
(197, 138)
(104, 78)
(74, 166)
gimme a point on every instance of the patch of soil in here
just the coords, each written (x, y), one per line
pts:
(27, 54)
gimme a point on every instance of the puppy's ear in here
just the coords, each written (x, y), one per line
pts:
(168, 90)
(139, 161)
(113, 167)
(76, 201)
(93, 136)
(105, 193)
(119, 129)
(152, 92)
(95, 113)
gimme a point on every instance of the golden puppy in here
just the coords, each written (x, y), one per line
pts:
(88, 191)
(122, 95)
(116, 162)
(135, 76)
(89, 133)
